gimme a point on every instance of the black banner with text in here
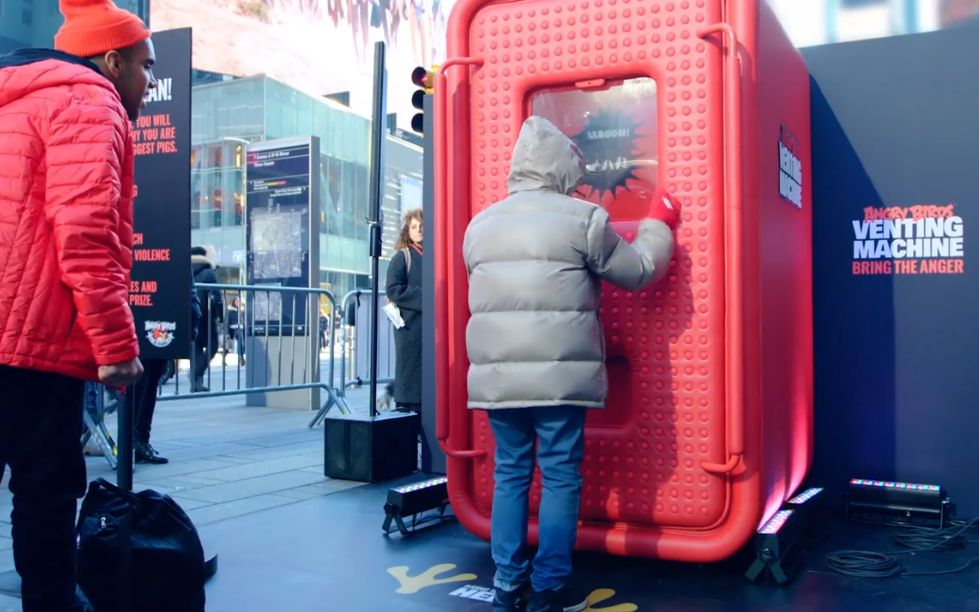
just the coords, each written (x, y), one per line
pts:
(160, 291)
(894, 138)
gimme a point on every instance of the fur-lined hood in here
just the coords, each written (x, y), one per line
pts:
(202, 261)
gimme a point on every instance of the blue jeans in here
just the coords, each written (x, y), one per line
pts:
(560, 431)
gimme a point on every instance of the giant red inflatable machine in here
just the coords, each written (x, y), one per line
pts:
(708, 426)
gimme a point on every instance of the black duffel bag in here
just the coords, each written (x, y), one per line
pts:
(139, 552)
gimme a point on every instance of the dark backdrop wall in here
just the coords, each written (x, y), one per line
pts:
(896, 202)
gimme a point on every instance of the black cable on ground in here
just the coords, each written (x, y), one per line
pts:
(863, 564)
(874, 564)
(921, 538)
(960, 524)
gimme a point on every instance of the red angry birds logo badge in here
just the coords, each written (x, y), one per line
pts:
(160, 333)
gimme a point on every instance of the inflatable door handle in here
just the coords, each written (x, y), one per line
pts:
(733, 222)
(441, 126)
(443, 236)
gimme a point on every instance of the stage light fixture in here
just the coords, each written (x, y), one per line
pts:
(414, 499)
(780, 540)
(896, 503)
(775, 524)
(807, 495)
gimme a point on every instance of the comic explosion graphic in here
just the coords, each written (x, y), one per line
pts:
(608, 142)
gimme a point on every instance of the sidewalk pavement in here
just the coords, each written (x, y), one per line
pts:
(226, 460)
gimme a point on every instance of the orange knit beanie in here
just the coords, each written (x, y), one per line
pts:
(94, 27)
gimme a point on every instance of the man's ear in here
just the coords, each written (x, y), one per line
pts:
(113, 63)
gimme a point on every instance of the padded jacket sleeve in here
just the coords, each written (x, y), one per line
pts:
(196, 314)
(628, 266)
(85, 149)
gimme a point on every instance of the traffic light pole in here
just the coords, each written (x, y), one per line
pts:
(433, 462)
(421, 100)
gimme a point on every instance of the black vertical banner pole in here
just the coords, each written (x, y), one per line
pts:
(124, 479)
(376, 194)
(124, 467)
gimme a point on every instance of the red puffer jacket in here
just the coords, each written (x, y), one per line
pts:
(66, 210)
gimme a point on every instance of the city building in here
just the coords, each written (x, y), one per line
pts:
(230, 113)
(32, 23)
(228, 116)
(816, 22)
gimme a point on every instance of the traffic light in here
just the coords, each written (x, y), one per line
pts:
(424, 79)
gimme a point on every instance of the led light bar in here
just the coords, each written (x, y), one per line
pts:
(904, 486)
(805, 496)
(896, 503)
(775, 523)
(421, 485)
(413, 499)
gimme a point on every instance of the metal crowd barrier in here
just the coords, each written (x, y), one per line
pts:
(95, 429)
(278, 342)
(355, 370)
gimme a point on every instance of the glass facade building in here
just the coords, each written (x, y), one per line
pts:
(227, 116)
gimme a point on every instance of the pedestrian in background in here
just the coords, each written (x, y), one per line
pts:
(235, 329)
(212, 315)
(146, 389)
(404, 290)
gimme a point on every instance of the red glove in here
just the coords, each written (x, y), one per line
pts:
(664, 208)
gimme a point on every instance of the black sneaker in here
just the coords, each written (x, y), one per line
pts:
(511, 601)
(147, 454)
(568, 598)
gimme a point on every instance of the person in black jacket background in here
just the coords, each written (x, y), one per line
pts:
(145, 392)
(212, 313)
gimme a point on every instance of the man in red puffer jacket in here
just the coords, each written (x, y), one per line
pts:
(66, 225)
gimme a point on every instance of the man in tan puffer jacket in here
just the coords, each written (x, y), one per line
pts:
(536, 350)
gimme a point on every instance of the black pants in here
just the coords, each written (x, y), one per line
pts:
(40, 440)
(205, 347)
(145, 391)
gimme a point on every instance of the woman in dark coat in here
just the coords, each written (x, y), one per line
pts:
(404, 288)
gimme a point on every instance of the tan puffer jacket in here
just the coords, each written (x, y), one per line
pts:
(535, 261)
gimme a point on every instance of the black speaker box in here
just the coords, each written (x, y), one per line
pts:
(358, 448)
